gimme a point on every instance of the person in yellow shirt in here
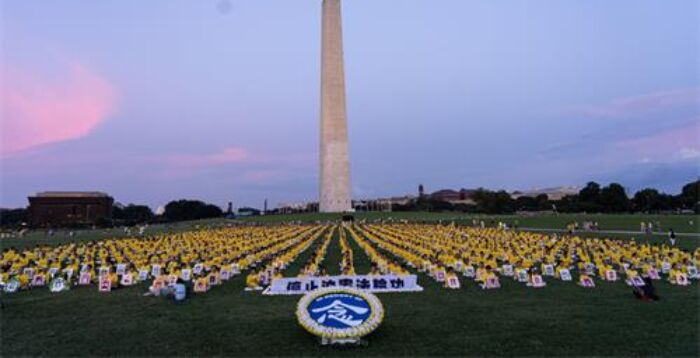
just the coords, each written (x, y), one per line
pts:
(23, 279)
(201, 284)
(113, 279)
(252, 281)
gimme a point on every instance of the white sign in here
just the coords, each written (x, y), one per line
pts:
(185, 274)
(565, 275)
(12, 286)
(453, 282)
(198, 269)
(491, 283)
(537, 281)
(105, 285)
(155, 270)
(235, 269)
(127, 280)
(84, 279)
(57, 285)
(383, 283)
(225, 275)
(121, 269)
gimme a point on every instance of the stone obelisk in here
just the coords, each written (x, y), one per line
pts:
(335, 162)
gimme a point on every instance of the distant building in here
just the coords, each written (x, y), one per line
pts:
(300, 207)
(555, 193)
(59, 208)
(463, 196)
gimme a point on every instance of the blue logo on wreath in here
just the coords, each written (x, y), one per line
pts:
(339, 310)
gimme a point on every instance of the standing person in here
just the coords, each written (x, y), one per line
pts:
(672, 237)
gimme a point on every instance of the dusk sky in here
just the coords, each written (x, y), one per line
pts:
(218, 100)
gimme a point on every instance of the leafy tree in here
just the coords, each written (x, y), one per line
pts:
(590, 198)
(568, 204)
(613, 198)
(649, 200)
(690, 196)
(590, 193)
(181, 210)
(132, 214)
(494, 202)
(543, 202)
(526, 203)
(12, 217)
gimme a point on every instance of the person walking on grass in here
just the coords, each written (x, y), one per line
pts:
(672, 237)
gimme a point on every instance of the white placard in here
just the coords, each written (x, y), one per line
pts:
(127, 280)
(235, 269)
(84, 279)
(105, 285)
(549, 270)
(57, 285)
(143, 275)
(537, 281)
(11, 286)
(453, 282)
(186, 274)
(155, 270)
(382, 283)
(565, 275)
(198, 269)
(121, 268)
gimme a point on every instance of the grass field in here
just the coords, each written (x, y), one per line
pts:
(680, 223)
(561, 319)
(630, 222)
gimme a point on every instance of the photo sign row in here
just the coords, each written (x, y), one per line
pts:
(369, 283)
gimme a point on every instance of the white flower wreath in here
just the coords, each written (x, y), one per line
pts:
(370, 324)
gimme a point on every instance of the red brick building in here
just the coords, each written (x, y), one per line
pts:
(51, 209)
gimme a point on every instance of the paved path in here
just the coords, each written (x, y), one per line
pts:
(678, 234)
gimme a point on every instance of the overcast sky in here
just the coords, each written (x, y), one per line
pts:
(218, 100)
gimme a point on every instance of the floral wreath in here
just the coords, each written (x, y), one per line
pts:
(371, 323)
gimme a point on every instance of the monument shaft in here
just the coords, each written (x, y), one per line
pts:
(335, 162)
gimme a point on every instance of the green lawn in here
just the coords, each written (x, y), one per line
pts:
(679, 223)
(40, 237)
(561, 319)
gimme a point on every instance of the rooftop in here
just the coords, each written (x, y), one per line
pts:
(71, 194)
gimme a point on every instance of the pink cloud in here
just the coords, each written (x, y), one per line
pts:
(644, 104)
(40, 110)
(227, 156)
(676, 144)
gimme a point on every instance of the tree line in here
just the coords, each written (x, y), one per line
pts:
(593, 198)
(177, 210)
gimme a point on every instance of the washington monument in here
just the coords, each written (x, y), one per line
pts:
(335, 162)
